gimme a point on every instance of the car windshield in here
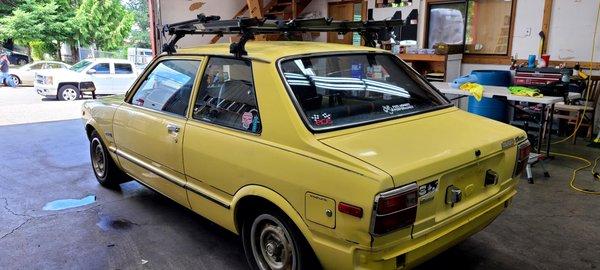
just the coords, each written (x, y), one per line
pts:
(336, 91)
(80, 65)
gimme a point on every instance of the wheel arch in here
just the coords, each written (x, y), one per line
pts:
(61, 84)
(255, 195)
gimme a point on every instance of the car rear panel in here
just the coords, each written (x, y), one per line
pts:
(452, 150)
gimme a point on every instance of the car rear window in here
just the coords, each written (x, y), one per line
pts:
(335, 91)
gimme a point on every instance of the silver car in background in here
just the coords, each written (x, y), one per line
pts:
(25, 75)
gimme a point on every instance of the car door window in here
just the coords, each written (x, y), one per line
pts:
(54, 65)
(168, 87)
(227, 96)
(36, 66)
(102, 68)
(123, 69)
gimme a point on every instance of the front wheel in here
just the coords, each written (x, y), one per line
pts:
(106, 171)
(68, 92)
(271, 241)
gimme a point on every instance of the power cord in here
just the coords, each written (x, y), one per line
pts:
(578, 125)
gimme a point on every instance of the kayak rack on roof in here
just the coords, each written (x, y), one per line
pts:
(247, 28)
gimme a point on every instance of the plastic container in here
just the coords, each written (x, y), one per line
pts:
(489, 107)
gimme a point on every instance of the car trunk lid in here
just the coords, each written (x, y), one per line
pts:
(438, 152)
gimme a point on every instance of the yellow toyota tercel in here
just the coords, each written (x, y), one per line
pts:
(317, 155)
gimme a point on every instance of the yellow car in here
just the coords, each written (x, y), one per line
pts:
(317, 155)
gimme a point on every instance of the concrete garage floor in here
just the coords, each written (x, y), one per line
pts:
(549, 226)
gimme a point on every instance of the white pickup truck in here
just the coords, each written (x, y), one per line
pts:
(100, 76)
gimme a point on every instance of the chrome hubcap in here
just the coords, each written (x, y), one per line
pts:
(272, 245)
(15, 80)
(98, 158)
(69, 94)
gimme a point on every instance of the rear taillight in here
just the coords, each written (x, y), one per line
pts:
(394, 209)
(523, 151)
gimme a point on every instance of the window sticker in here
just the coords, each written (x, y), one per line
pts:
(323, 119)
(251, 121)
(255, 123)
(397, 108)
(247, 119)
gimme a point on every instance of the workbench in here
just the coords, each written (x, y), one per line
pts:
(504, 94)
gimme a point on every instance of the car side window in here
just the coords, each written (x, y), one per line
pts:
(123, 69)
(36, 66)
(102, 68)
(168, 87)
(227, 95)
(54, 65)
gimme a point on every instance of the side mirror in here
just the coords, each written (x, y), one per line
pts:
(91, 71)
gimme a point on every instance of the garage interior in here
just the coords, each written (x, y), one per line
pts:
(55, 215)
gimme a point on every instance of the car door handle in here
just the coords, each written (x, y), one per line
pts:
(172, 128)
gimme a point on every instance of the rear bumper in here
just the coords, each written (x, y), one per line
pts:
(415, 251)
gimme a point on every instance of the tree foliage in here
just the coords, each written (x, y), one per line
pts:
(140, 32)
(105, 23)
(46, 21)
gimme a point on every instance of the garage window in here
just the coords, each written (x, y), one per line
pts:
(227, 95)
(168, 87)
(482, 26)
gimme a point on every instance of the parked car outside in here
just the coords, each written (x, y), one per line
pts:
(26, 74)
(104, 76)
(16, 58)
(315, 153)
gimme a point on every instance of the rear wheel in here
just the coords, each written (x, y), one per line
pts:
(271, 241)
(68, 92)
(106, 171)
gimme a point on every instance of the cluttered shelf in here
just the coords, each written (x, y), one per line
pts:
(435, 67)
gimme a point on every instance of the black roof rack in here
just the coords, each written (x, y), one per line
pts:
(247, 28)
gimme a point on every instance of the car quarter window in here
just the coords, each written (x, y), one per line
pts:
(227, 96)
(102, 68)
(168, 87)
(123, 69)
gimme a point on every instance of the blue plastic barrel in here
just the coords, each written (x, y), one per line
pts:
(489, 107)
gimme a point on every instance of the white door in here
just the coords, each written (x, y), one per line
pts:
(101, 75)
(124, 77)
(28, 75)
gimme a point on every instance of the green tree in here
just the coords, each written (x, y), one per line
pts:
(104, 23)
(140, 32)
(38, 21)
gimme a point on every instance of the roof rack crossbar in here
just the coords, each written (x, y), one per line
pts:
(247, 28)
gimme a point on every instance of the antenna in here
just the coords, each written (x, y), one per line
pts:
(247, 28)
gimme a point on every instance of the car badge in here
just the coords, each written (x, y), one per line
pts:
(427, 191)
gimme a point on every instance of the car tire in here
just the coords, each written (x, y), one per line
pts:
(106, 171)
(16, 80)
(22, 62)
(272, 241)
(68, 92)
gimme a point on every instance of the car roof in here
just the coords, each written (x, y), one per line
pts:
(108, 60)
(273, 50)
(45, 61)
